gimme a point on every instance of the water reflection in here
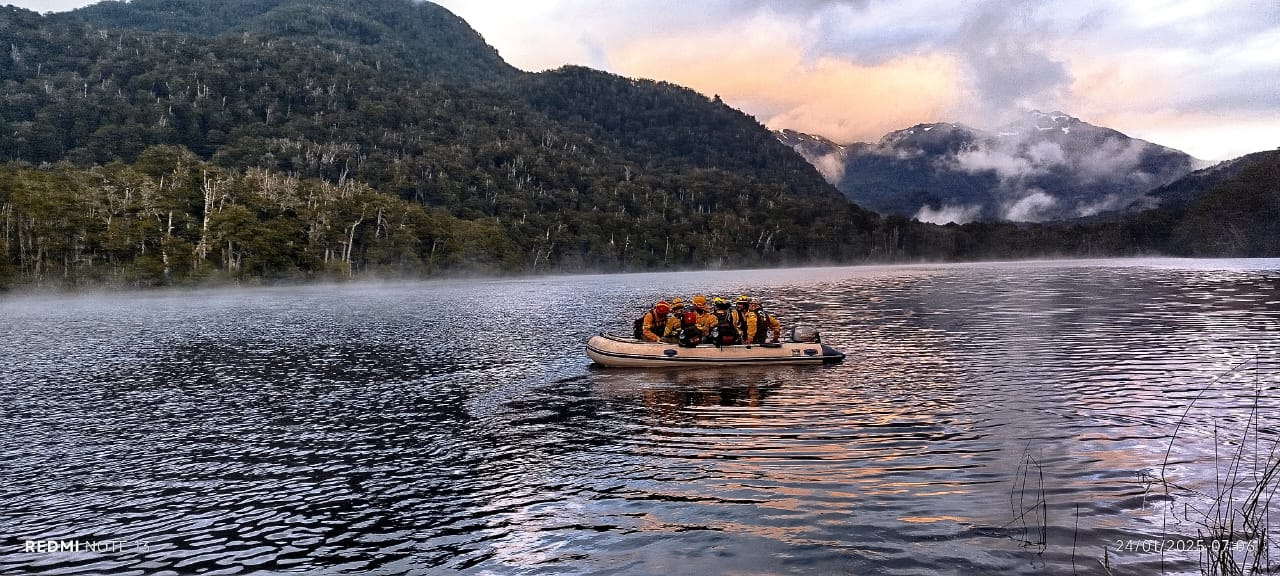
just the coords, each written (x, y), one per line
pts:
(419, 427)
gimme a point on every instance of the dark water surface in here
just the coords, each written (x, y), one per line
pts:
(993, 418)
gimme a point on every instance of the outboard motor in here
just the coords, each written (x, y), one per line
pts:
(805, 333)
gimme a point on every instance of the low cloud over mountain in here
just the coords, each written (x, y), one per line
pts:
(1037, 168)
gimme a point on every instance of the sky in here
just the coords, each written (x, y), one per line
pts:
(1197, 75)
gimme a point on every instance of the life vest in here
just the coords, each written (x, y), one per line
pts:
(740, 322)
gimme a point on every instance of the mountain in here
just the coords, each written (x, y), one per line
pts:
(657, 124)
(1040, 167)
(1190, 188)
(170, 141)
(418, 36)
(1238, 214)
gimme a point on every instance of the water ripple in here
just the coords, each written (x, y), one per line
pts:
(412, 428)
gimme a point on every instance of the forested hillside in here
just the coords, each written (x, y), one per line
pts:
(561, 171)
(1239, 216)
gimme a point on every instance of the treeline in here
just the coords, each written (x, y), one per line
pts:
(172, 218)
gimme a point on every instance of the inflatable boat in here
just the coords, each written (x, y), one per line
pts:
(624, 352)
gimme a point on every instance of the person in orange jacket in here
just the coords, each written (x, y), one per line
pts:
(653, 324)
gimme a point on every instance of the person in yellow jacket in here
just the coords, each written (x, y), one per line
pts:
(759, 325)
(706, 319)
(739, 318)
(739, 314)
(672, 327)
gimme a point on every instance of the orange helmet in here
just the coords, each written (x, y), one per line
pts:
(699, 301)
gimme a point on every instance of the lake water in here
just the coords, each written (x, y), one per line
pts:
(1037, 417)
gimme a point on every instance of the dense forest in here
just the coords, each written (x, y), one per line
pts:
(162, 142)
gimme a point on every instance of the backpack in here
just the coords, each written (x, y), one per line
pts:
(690, 335)
(725, 332)
(762, 327)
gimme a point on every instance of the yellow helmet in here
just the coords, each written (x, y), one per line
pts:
(742, 299)
(699, 301)
(677, 303)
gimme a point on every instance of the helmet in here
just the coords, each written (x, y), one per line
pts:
(742, 299)
(677, 303)
(661, 307)
(699, 301)
(755, 301)
(720, 303)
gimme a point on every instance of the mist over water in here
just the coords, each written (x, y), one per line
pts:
(457, 426)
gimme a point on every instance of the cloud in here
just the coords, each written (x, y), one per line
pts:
(1108, 203)
(1205, 135)
(1034, 207)
(831, 166)
(43, 6)
(1013, 156)
(1007, 60)
(1112, 157)
(596, 54)
(1045, 154)
(948, 213)
(1007, 165)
